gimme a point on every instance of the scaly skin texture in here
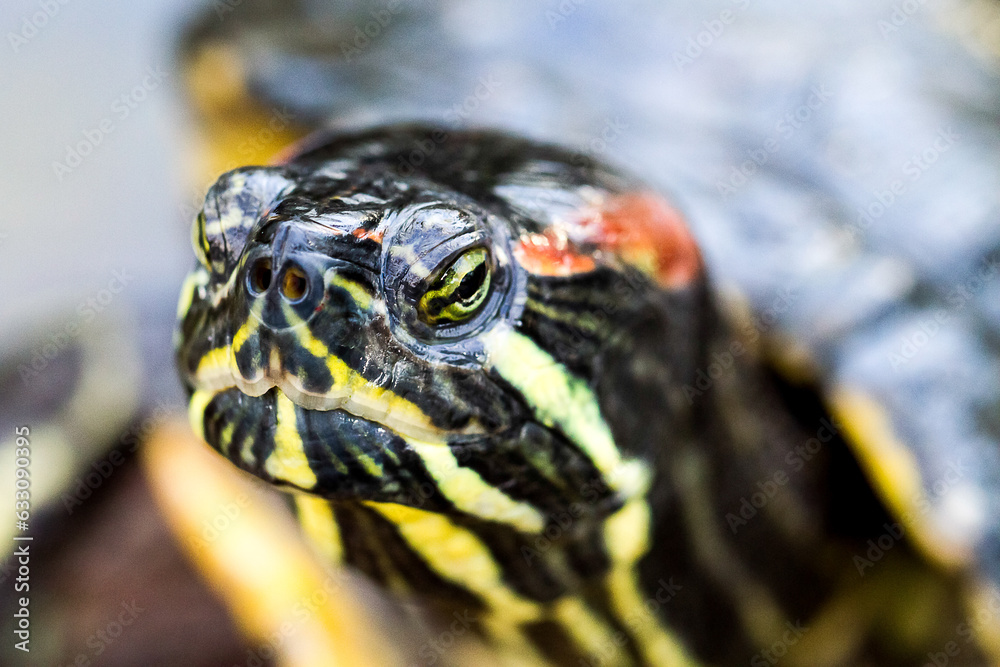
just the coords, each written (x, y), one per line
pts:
(563, 458)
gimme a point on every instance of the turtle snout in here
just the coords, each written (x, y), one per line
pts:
(287, 285)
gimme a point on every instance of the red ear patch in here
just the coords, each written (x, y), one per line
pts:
(551, 254)
(643, 230)
(370, 234)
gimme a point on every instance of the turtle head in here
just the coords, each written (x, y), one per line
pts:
(454, 337)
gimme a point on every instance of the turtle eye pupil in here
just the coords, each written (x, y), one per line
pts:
(460, 291)
(260, 275)
(471, 283)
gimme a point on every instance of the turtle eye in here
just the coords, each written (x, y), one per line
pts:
(234, 207)
(460, 290)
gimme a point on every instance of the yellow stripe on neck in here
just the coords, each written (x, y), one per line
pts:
(459, 556)
(317, 519)
(559, 399)
(626, 536)
(197, 405)
(288, 460)
(470, 493)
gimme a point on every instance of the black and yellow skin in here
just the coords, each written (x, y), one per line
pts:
(467, 354)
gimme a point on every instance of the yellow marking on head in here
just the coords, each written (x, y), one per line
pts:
(193, 280)
(657, 644)
(364, 398)
(199, 240)
(339, 465)
(893, 470)
(235, 216)
(459, 556)
(223, 292)
(320, 525)
(248, 328)
(196, 410)
(563, 400)
(626, 536)
(215, 369)
(470, 493)
(357, 291)
(288, 460)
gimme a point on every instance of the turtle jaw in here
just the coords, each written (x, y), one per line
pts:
(331, 453)
(346, 458)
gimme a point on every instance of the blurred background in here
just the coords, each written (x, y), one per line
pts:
(782, 128)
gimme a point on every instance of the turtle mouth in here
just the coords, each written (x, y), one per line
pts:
(356, 397)
(307, 373)
(376, 405)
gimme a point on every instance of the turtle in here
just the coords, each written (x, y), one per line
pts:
(817, 316)
(834, 167)
(495, 375)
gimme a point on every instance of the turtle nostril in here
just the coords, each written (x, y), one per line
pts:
(294, 284)
(259, 278)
